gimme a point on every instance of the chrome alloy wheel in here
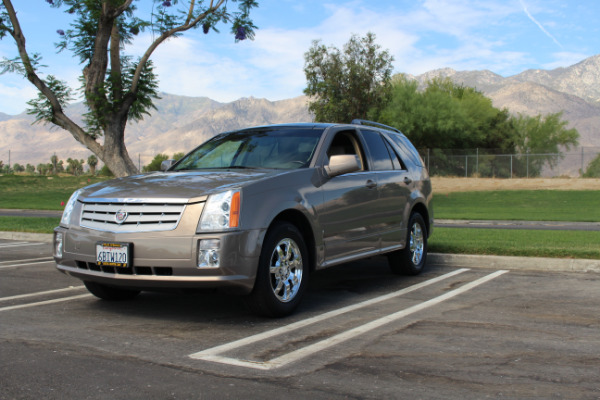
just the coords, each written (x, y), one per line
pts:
(416, 243)
(285, 270)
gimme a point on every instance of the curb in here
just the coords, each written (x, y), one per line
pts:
(514, 263)
(38, 237)
(438, 259)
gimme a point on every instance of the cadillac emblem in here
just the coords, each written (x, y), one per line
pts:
(120, 216)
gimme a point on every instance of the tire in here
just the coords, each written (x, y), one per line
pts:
(110, 293)
(411, 259)
(282, 275)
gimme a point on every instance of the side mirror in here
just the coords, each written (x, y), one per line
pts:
(165, 165)
(342, 164)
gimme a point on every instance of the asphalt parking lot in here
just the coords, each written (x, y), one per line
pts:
(489, 330)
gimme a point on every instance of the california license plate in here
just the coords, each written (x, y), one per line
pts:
(113, 254)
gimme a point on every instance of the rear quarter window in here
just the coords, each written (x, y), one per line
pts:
(407, 148)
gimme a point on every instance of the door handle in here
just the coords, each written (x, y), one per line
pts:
(371, 184)
(407, 180)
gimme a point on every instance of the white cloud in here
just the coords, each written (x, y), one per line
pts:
(15, 96)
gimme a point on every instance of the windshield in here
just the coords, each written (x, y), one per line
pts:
(281, 148)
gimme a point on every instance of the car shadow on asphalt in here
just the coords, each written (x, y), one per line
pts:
(328, 289)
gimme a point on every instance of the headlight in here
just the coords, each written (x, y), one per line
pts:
(66, 217)
(221, 211)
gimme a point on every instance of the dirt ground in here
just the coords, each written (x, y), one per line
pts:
(448, 185)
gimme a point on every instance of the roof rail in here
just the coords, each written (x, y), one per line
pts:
(377, 124)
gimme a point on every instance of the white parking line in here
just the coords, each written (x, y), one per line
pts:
(24, 260)
(23, 296)
(212, 354)
(42, 303)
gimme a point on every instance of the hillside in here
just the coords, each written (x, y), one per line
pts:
(180, 123)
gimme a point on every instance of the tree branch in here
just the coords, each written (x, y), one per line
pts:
(165, 36)
(59, 118)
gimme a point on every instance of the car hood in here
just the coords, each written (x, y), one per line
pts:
(188, 186)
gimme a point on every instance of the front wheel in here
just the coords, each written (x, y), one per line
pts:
(282, 274)
(411, 259)
(111, 293)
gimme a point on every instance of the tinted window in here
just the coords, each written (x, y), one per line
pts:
(407, 148)
(286, 148)
(396, 160)
(379, 153)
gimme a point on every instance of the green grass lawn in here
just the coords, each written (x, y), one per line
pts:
(46, 193)
(525, 205)
(40, 192)
(29, 224)
(513, 242)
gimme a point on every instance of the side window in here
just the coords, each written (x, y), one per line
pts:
(396, 160)
(345, 143)
(407, 147)
(379, 153)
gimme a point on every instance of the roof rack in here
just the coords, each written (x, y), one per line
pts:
(377, 124)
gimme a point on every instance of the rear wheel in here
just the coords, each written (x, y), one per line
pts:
(411, 259)
(110, 293)
(282, 274)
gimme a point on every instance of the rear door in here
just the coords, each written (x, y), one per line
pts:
(393, 187)
(347, 213)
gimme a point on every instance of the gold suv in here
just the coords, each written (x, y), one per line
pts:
(256, 211)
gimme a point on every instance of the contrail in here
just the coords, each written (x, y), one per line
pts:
(539, 25)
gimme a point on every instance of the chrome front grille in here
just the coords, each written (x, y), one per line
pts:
(131, 217)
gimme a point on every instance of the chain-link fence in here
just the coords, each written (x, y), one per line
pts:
(440, 162)
(498, 164)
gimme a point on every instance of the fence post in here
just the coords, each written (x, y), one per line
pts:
(466, 166)
(511, 172)
(581, 171)
(477, 162)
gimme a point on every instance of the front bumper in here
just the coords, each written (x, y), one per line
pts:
(162, 260)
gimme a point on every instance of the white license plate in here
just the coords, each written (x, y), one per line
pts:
(113, 254)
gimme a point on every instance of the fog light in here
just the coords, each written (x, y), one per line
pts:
(58, 244)
(208, 253)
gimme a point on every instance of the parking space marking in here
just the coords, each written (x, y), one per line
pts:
(24, 296)
(42, 303)
(20, 263)
(213, 354)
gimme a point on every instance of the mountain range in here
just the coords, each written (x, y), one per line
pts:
(180, 123)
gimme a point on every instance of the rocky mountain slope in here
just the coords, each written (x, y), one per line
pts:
(180, 123)
(575, 91)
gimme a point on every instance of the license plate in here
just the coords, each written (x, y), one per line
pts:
(113, 254)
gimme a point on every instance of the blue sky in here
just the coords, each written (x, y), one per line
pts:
(504, 36)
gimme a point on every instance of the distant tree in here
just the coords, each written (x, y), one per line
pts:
(43, 168)
(75, 167)
(543, 136)
(116, 87)
(155, 163)
(459, 119)
(104, 171)
(18, 167)
(92, 162)
(54, 161)
(446, 115)
(178, 156)
(348, 84)
(1, 166)
(593, 168)
(30, 169)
